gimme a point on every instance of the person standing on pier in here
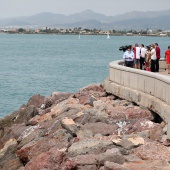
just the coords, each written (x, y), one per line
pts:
(136, 50)
(142, 55)
(148, 59)
(128, 56)
(158, 56)
(167, 57)
(153, 58)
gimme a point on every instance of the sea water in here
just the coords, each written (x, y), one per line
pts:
(41, 64)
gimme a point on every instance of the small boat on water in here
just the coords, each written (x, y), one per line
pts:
(108, 36)
(79, 36)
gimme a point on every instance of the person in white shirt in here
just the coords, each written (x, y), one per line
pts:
(153, 58)
(136, 50)
(142, 55)
(128, 56)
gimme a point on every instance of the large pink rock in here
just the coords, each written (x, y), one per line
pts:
(112, 155)
(11, 164)
(121, 112)
(69, 125)
(83, 98)
(52, 159)
(56, 97)
(153, 151)
(40, 118)
(101, 128)
(137, 112)
(11, 142)
(12, 132)
(113, 166)
(88, 159)
(148, 165)
(37, 100)
(89, 94)
(88, 146)
(32, 149)
(140, 125)
(65, 106)
(116, 113)
(93, 87)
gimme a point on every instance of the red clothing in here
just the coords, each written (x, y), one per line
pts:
(158, 52)
(134, 50)
(167, 54)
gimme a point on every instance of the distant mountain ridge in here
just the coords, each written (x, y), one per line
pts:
(89, 19)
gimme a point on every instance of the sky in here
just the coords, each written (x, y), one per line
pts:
(17, 8)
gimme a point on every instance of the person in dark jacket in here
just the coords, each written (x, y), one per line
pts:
(158, 56)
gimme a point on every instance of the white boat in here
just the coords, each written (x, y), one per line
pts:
(108, 36)
(79, 36)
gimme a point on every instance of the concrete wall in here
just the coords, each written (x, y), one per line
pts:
(145, 88)
(162, 63)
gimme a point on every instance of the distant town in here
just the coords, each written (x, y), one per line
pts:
(79, 30)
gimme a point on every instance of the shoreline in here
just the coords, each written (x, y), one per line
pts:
(111, 34)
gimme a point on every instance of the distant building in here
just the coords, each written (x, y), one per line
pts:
(37, 30)
(129, 33)
(103, 32)
(166, 31)
(163, 35)
(149, 32)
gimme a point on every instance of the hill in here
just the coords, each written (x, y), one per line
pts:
(89, 19)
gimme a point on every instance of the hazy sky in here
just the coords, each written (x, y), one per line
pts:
(15, 8)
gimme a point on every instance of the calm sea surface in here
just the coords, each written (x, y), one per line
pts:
(42, 64)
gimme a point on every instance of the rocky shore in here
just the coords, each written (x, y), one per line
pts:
(87, 130)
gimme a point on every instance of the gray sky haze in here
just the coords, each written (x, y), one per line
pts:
(17, 8)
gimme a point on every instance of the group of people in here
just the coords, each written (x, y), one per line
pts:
(147, 58)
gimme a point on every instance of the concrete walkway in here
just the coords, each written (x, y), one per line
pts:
(164, 72)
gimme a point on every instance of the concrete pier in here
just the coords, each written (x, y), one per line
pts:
(148, 89)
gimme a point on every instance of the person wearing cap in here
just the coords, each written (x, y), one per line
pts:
(158, 56)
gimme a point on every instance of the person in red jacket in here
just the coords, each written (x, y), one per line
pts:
(158, 56)
(167, 57)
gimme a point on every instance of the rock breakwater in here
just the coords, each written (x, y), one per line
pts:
(87, 130)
